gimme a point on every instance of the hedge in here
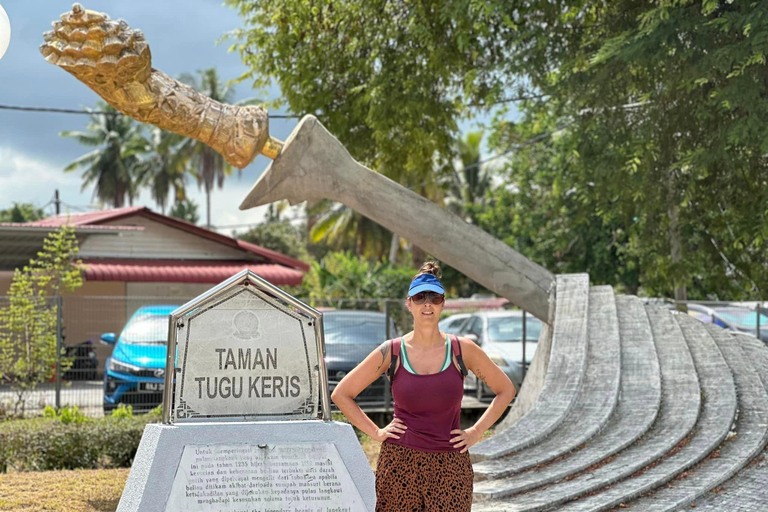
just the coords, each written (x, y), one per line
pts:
(44, 444)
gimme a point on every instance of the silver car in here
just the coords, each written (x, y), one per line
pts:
(732, 318)
(452, 324)
(500, 335)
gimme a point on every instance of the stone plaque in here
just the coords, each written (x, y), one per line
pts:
(244, 359)
(249, 478)
(243, 353)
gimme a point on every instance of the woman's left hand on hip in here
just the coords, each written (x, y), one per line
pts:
(465, 438)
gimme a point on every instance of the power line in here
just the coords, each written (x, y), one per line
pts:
(51, 110)
(58, 110)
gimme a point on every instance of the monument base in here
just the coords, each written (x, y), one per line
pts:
(297, 466)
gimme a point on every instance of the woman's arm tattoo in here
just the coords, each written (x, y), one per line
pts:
(384, 349)
(480, 376)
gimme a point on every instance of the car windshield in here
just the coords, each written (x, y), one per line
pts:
(354, 329)
(745, 319)
(510, 328)
(146, 330)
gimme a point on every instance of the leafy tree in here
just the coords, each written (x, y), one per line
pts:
(390, 79)
(343, 277)
(665, 104)
(185, 209)
(280, 236)
(164, 166)
(28, 322)
(22, 212)
(112, 166)
(546, 212)
(660, 107)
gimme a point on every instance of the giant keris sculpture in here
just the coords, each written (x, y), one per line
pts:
(115, 61)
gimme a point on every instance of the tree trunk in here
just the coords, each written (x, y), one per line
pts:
(208, 208)
(676, 247)
(360, 236)
(675, 243)
(393, 248)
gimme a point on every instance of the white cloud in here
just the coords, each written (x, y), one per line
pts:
(27, 178)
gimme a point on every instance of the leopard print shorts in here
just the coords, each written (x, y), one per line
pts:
(409, 480)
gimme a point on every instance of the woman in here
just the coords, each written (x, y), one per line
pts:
(424, 461)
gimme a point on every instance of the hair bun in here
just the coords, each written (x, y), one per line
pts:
(431, 267)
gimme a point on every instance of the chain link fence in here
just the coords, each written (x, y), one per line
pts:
(105, 360)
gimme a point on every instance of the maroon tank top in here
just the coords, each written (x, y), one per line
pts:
(429, 405)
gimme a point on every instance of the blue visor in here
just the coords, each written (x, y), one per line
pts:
(425, 283)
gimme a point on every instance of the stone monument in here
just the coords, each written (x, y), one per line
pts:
(246, 413)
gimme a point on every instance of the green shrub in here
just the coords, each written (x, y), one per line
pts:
(123, 412)
(65, 414)
(68, 440)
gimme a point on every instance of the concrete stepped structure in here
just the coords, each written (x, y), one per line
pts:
(594, 404)
(690, 416)
(567, 363)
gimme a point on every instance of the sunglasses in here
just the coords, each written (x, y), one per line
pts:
(421, 298)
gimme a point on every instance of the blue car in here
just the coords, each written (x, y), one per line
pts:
(135, 373)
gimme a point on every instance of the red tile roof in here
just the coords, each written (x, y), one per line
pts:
(83, 227)
(79, 219)
(92, 218)
(175, 271)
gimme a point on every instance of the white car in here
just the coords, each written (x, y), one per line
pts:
(500, 335)
(453, 323)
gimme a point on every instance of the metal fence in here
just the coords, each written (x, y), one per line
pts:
(96, 375)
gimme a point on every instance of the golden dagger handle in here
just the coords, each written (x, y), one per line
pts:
(115, 61)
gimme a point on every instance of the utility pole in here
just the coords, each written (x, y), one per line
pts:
(57, 202)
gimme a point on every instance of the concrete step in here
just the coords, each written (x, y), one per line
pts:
(565, 374)
(594, 405)
(681, 398)
(747, 490)
(747, 440)
(718, 411)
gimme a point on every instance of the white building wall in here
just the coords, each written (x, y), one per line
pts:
(157, 241)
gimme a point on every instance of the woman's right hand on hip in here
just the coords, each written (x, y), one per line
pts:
(395, 427)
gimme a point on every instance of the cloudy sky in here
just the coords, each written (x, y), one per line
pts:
(182, 35)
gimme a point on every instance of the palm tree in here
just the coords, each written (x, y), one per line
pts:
(164, 167)
(111, 168)
(465, 178)
(209, 167)
(343, 229)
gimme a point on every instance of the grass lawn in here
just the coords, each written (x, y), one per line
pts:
(96, 490)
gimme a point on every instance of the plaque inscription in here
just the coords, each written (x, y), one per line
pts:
(265, 478)
(247, 355)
